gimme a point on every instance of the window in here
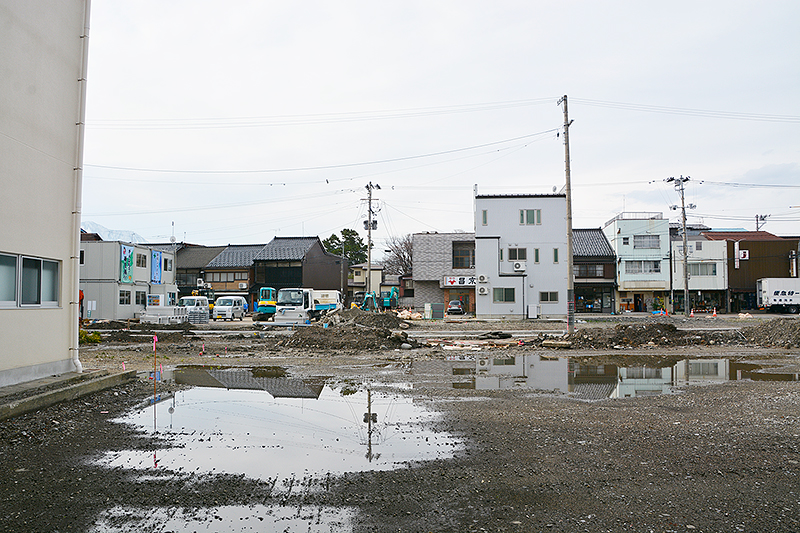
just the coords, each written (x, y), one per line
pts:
(484, 217)
(530, 217)
(8, 280)
(357, 273)
(503, 295)
(535, 255)
(167, 265)
(241, 275)
(698, 246)
(82, 257)
(141, 261)
(517, 254)
(702, 269)
(555, 255)
(141, 298)
(124, 297)
(647, 242)
(501, 254)
(626, 241)
(39, 282)
(172, 298)
(642, 267)
(548, 297)
(29, 281)
(588, 271)
(505, 361)
(463, 255)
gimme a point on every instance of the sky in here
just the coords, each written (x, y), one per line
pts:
(234, 122)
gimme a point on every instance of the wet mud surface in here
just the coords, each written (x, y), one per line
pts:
(713, 457)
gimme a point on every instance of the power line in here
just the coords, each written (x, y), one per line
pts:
(791, 119)
(325, 167)
(306, 119)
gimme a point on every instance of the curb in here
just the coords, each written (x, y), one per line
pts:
(69, 392)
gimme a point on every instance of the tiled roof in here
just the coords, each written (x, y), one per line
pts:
(590, 243)
(286, 249)
(741, 236)
(197, 256)
(236, 256)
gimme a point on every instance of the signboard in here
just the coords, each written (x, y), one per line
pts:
(744, 255)
(459, 281)
(155, 300)
(155, 267)
(126, 264)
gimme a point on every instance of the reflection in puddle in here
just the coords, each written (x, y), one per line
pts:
(587, 382)
(286, 428)
(226, 518)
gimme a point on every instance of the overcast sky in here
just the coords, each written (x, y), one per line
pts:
(242, 120)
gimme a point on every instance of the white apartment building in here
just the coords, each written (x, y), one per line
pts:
(43, 50)
(521, 256)
(641, 244)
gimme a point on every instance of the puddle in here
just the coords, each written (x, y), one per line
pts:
(585, 382)
(243, 422)
(226, 519)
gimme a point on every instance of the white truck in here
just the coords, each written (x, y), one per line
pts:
(778, 295)
(301, 305)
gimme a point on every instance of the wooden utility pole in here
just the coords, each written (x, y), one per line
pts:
(570, 276)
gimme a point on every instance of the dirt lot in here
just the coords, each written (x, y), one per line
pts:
(717, 457)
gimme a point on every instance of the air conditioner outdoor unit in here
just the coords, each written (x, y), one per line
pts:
(483, 278)
(483, 290)
(243, 285)
(200, 282)
(519, 266)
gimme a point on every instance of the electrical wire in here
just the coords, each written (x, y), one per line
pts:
(326, 167)
(791, 119)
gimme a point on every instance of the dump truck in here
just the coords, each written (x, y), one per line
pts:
(778, 295)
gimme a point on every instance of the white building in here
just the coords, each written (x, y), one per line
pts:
(521, 256)
(641, 244)
(43, 50)
(708, 274)
(118, 279)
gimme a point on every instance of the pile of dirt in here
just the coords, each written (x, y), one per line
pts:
(652, 334)
(372, 319)
(347, 336)
(781, 332)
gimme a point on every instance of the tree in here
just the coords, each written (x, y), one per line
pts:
(355, 251)
(398, 258)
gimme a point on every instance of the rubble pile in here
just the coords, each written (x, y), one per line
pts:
(347, 336)
(780, 332)
(372, 319)
(652, 334)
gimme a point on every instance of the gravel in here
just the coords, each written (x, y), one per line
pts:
(716, 457)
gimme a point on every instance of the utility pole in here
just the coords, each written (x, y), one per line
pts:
(570, 277)
(680, 188)
(761, 218)
(370, 226)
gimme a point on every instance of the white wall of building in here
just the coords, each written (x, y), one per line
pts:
(500, 234)
(705, 278)
(41, 60)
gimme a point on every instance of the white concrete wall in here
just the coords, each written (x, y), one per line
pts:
(503, 231)
(40, 104)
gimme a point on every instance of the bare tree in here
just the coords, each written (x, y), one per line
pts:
(398, 258)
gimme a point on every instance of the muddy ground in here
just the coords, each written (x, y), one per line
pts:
(716, 457)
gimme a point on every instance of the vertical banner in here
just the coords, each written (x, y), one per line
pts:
(126, 264)
(155, 267)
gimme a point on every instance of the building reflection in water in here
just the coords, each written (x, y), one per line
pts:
(580, 380)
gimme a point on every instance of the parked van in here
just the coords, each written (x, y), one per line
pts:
(228, 308)
(194, 301)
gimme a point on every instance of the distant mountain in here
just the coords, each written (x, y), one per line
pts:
(113, 234)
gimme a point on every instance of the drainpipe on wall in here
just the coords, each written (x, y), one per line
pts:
(75, 312)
